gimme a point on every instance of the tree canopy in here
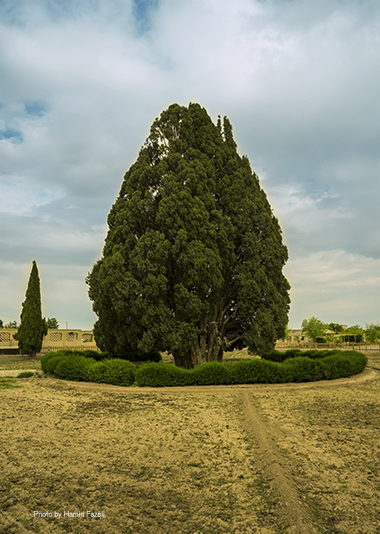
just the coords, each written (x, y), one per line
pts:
(52, 323)
(314, 328)
(336, 327)
(372, 332)
(33, 327)
(11, 324)
(193, 259)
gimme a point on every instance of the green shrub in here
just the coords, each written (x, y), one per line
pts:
(25, 374)
(163, 374)
(138, 356)
(94, 354)
(303, 369)
(211, 373)
(52, 363)
(278, 356)
(45, 359)
(73, 367)
(299, 367)
(345, 363)
(118, 372)
(294, 369)
(258, 372)
(316, 354)
(48, 368)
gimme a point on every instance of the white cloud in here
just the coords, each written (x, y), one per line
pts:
(336, 286)
(19, 196)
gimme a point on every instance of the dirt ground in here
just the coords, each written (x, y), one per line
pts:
(265, 459)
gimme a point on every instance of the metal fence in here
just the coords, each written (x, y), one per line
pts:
(360, 347)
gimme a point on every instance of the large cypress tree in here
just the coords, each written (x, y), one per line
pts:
(193, 259)
(33, 327)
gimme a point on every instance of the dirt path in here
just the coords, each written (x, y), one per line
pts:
(291, 511)
(251, 459)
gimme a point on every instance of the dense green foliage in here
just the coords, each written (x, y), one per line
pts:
(353, 334)
(137, 356)
(33, 327)
(372, 333)
(11, 324)
(300, 369)
(123, 373)
(116, 371)
(50, 360)
(336, 327)
(314, 328)
(279, 356)
(26, 374)
(52, 323)
(72, 365)
(193, 259)
(73, 368)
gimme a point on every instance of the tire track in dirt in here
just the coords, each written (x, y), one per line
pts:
(290, 510)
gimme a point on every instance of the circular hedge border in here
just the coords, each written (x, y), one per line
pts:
(311, 366)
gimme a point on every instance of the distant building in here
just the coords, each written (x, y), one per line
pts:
(296, 337)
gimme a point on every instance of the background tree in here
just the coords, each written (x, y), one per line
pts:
(353, 334)
(314, 328)
(52, 323)
(193, 259)
(337, 328)
(372, 332)
(33, 327)
(12, 324)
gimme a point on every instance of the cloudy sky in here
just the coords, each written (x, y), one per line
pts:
(82, 81)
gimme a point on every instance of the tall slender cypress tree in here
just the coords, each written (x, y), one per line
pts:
(33, 327)
(193, 259)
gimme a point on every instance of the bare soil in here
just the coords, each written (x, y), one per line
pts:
(265, 459)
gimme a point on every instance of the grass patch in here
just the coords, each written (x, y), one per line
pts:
(16, 361)
(8, 383)
(26, 374)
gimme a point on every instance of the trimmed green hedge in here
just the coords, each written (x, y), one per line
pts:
(152, 356)
(73, 368)
(71, 365)
(137, 356)
(118, 372)
(278, 356)
(297, 369)
(67, 364)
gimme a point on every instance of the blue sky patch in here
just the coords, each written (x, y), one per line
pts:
(141, 11)
(13, 135)
(35, 108)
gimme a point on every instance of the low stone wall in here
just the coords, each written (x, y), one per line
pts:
(54, 340)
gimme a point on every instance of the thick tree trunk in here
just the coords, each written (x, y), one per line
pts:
(212, 337)
(208, 347)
